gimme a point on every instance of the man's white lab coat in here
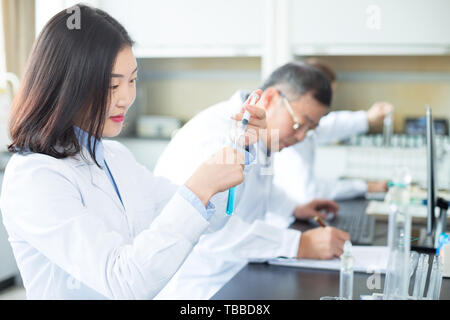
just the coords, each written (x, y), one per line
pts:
(245, 235)
(294, 166)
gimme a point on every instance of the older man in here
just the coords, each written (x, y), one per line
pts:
(293, 100)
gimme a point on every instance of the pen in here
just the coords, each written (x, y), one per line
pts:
(244, 123)
(321, 222)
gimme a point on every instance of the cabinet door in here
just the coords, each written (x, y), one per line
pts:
(405, 24)
(193, 24)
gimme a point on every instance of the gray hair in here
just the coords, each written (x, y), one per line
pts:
(295, 79)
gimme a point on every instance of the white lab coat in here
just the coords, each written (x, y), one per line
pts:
(294, 166)
(73, 239)
(245, 235)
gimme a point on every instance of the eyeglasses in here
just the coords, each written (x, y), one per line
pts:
(297, 124)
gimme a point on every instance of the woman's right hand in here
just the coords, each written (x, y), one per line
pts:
(221, 172)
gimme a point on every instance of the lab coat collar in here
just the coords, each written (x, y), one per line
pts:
(84, 158)
(120, 177)
(98, 175)
(100, 180)
(84, 162)
(83, 138)
(81, 159)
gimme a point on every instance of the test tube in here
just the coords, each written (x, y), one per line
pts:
(242, 127)
(421, 276)
(413, 261)
(434, 289)
(388, 129)
(346, 274)
(440, 270)
(418, 277)
(431, 295)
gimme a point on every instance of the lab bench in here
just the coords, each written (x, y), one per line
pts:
(262, 281)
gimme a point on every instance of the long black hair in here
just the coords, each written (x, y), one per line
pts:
(68, 77)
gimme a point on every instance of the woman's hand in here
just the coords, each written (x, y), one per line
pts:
(221, 172)
(257, 121)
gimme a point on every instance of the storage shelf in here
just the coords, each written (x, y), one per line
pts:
(371, 50)
(200, 52)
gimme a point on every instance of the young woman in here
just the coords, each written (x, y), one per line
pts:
(84, 219)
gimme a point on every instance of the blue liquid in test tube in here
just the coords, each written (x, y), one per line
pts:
(230, 203)
(244, 123)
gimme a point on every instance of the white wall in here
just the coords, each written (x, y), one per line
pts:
(46, 9)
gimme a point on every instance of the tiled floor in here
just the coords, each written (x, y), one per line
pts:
(13, 293)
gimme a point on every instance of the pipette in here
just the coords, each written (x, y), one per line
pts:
(241, 131)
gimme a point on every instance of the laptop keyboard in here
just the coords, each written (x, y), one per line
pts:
(361, 227)
(352, 218)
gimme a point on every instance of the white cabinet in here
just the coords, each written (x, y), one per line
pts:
(227, 28)
(180, 28)
(46, 9)
(370, 27)
(191, 28)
